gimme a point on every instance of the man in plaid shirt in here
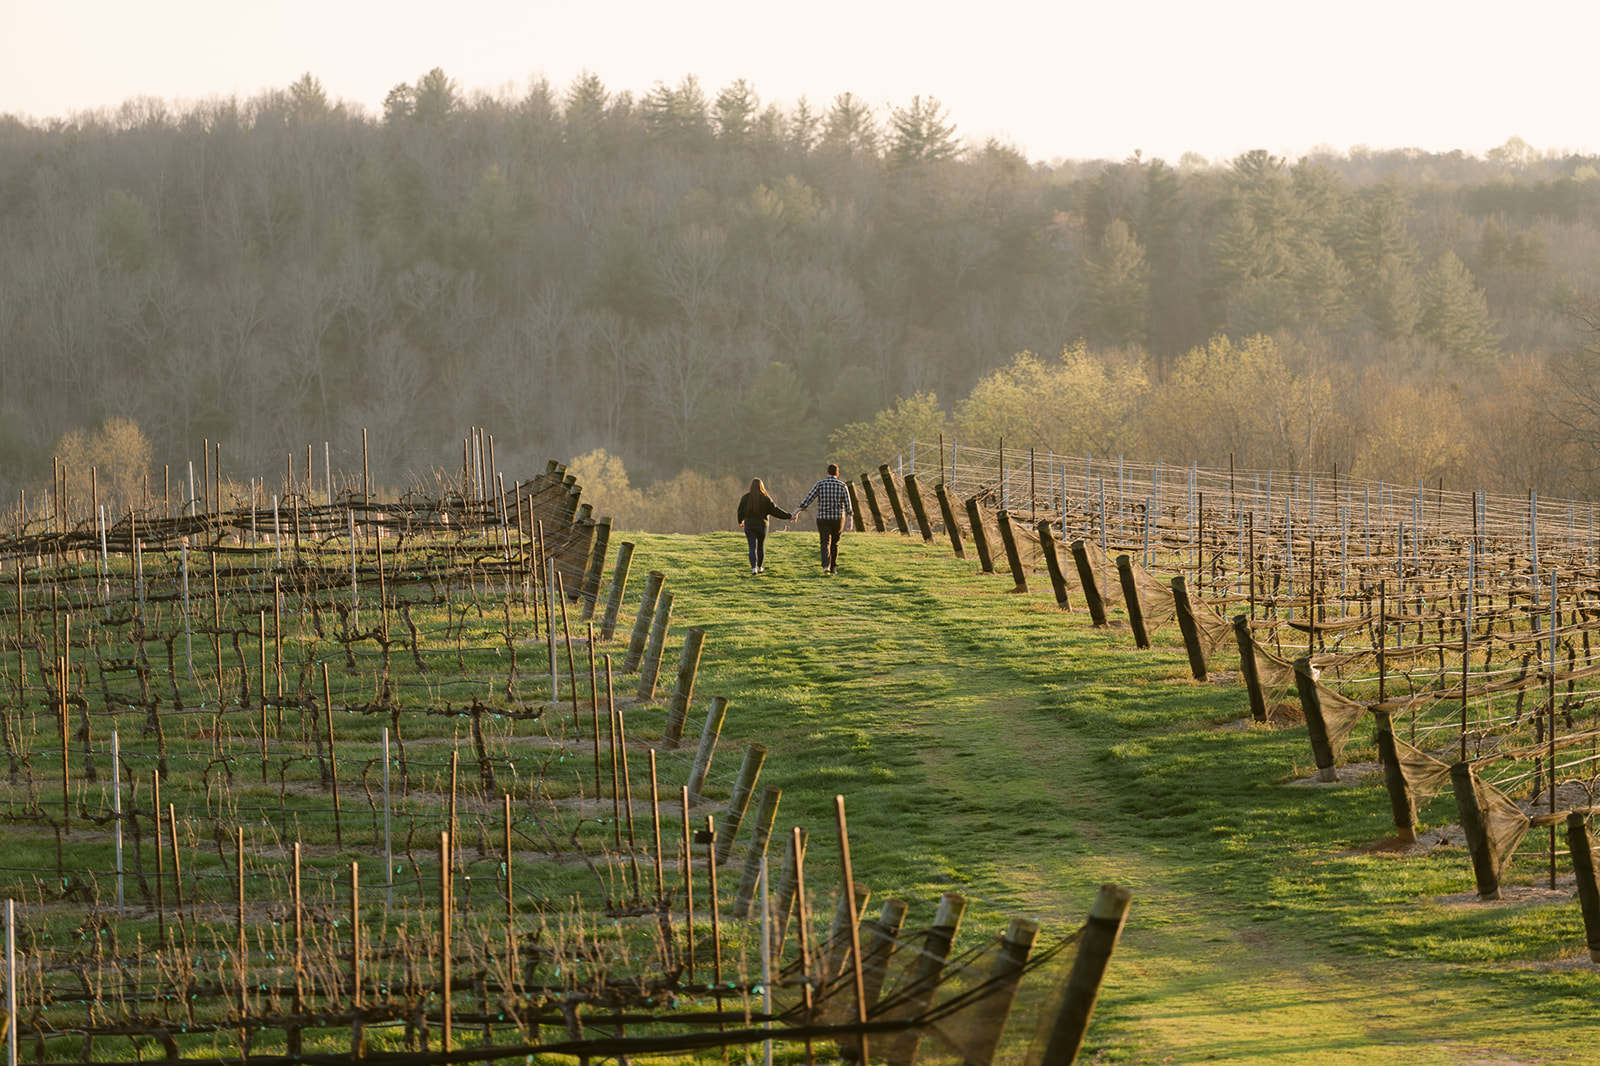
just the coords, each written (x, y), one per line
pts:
(833, 507)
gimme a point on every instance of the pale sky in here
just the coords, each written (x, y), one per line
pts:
(1057, 79)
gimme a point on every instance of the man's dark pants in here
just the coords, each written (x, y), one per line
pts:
(829, 529)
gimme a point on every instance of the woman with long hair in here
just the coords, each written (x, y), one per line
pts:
(755, 507)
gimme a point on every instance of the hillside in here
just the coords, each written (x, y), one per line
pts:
(695, 280)
(989, 744)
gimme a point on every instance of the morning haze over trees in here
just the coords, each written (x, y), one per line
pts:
(706, 285)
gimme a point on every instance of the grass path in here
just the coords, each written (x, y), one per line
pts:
(989, 744)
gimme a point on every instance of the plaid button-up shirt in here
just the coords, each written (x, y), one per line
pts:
(833, 501)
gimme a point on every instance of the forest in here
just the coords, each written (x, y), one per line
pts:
(700, 283)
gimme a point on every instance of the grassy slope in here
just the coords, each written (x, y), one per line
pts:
(989, 744)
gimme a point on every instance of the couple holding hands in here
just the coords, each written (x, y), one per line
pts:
(833, 508)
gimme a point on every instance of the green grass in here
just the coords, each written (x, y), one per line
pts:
(987, 743)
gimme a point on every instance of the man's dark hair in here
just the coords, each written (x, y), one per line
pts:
(833, 469)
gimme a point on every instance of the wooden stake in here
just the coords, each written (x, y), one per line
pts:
(333, 755)
(655, 825)
(161, 905)
(243, 956)
(855, 921)
(688, 886)
(358, 1039)
(446, 907)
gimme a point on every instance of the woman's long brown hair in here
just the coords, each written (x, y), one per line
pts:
(757, 489)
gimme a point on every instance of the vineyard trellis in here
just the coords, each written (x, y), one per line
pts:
(1464, 623)
(218, 721)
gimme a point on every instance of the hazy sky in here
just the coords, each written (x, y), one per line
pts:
(1075, 80)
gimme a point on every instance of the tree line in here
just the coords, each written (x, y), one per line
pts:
(704, 281)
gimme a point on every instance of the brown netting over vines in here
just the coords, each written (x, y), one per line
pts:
(1276, 675)
(1504, 823)
(1425, 776)
(1340, 715)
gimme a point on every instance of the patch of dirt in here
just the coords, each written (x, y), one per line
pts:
(1356, 773)
(1517, 895)
(1279, 716)
(1448, 836)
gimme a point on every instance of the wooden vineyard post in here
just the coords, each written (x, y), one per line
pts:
(596, 570)
(62, 717)
(849, 896)
(872, 503)
(511, 896)
(261, 646)
(243, 954)
(1582, 849)
(951, 526)
(1316, 725)
(688, 885)
(857, 515)
(1130, 598)
(445, 907)
(683, 692)
(1100, 935)
(641, 624)
(655, 827)
(744, 786)
(919, 990)
(581, 548)
(894, 499)
(914, 494)
(1394, 780)
(293, 1038)
(794, 857)
(333, 757)
(650, 666)
(155, 820)
(1013, 555)
(883, 935)
(1247, 667)
(1465, 783)
(22, 663)
(993, 1009)
(358, 1040)
(766, 817)
(708, 744)
(1052, 564)
(1090, 583)
(619, 581)
(839, 933)
(980, 537)
(1189, 629)
(177, 869)
(709, 837)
